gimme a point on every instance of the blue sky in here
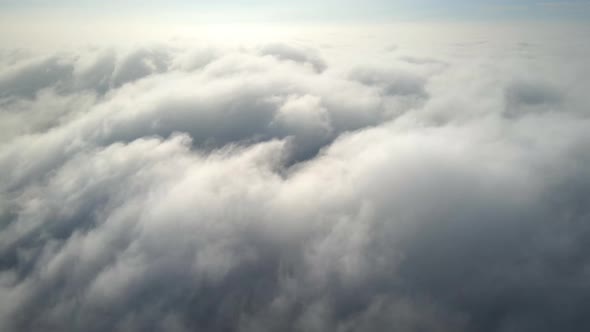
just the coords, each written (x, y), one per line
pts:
(328, 10)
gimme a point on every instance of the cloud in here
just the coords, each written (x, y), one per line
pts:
(267, 189)
(28, 78)
(293, 53)
(391, 82)
(522, 96)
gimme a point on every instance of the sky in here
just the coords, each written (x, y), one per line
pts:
(329, 10)
(311, 166)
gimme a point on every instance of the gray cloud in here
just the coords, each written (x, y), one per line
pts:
(293, 53)
(525, 96)
(28, 78)
(177, 189)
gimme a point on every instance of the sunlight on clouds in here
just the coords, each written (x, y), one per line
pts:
(177, 174)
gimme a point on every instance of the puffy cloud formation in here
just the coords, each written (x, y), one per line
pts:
(166, 188)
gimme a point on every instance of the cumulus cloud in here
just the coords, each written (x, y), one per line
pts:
(167, 188)
(294, 53)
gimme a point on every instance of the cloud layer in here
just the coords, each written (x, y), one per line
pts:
(270, 188)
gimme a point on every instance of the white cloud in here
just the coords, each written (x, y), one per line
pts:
(270, 188)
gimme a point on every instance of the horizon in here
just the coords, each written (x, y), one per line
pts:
(317, 11)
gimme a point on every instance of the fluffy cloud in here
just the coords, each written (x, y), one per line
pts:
(167, 188)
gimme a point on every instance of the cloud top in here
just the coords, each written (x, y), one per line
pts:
(286, 187)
